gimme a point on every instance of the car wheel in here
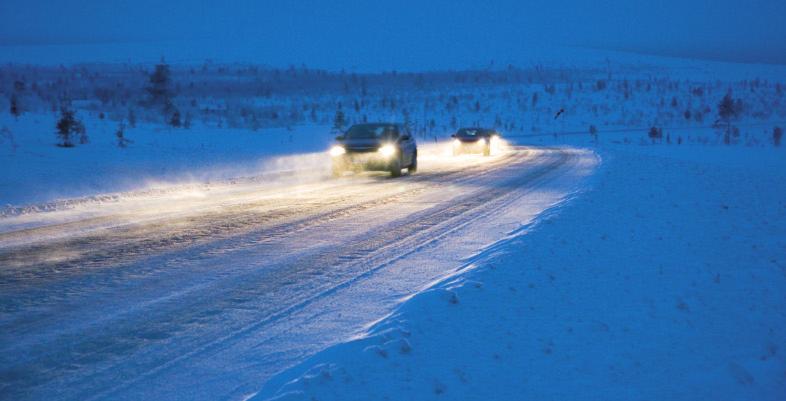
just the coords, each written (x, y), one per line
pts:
(395, 168)
(413, 167)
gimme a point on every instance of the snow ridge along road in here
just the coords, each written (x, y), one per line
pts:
(207, 295)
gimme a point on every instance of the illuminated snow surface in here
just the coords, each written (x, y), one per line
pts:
(223, 263)
(205, 290)
(663, 280)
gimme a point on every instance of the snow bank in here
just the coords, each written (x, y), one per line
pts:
(664, 281)
(40, 172)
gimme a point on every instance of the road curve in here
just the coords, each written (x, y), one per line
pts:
(204, 296)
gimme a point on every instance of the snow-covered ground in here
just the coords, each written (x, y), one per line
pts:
(206, 291)
(663, 280)
(37, 171)
(220, 261)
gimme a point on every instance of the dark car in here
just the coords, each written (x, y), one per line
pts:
(474, 140)
(378, 146)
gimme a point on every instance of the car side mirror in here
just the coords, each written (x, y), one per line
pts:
(340, 138)
(452, 135)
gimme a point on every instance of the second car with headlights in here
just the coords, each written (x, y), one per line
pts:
(377, 146)
(474, 140)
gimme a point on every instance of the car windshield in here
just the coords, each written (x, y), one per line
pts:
(371, 131)
(469, 132)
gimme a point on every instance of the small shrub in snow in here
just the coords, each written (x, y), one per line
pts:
(14, 109)
(175, 119)
(67, 127)
(777, 134)
(7, 135)
(655, 134)
(122, 141)
(451, 297)
(404, 346)
(377, 350)
(593, 132)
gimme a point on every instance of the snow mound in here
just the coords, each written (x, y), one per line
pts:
(664, 281)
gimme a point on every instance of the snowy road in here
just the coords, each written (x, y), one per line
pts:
(206, 291)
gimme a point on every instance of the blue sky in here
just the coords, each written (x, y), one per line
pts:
(405, 32)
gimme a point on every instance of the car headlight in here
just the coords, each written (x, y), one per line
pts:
(456, 142)
(482, 141)
(337, 150)
(387, 150)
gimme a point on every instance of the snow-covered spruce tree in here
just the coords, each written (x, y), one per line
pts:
(339, 120)
(728, 110)
(159, 89)
(68, 126)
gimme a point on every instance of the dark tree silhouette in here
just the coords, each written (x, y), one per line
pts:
(777, 134)
(339, 120)
(728, 110)
(67, 126)
(14, 109)
(175, 119)
(122, 141)
(159, 88)
(655, 134)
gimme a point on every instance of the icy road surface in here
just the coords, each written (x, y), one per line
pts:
(205, 291)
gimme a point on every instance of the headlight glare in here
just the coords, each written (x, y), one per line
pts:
(387, 150)
(337, 150)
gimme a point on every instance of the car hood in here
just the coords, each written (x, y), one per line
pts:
(362, 144)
